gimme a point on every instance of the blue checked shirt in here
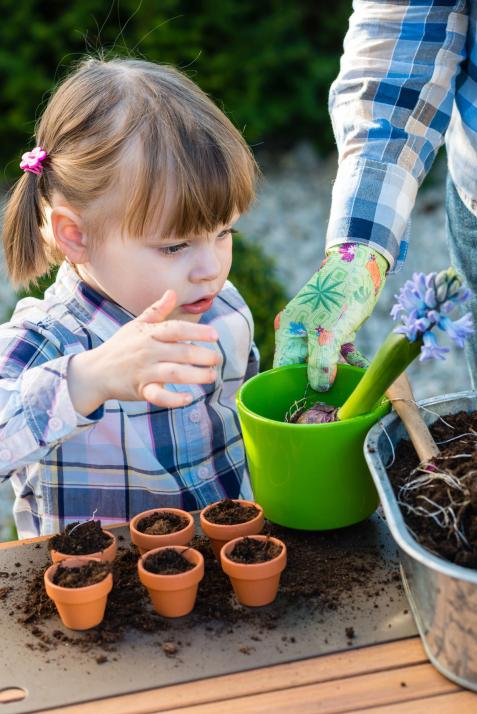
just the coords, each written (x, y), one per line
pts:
(407, 82)
(126, 457)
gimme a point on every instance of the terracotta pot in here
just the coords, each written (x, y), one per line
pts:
(220, 534)
(173, 595)
(146, 542)
(108, 554)
(254, 584)
(79, 608)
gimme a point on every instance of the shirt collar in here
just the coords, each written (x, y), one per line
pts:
(98, 313)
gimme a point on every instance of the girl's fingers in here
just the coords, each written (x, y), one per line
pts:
(156, 394)
(188, 354)
(179, 330)
(173, 373)
(159, 310)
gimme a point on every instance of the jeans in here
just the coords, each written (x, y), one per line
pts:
(462, 241)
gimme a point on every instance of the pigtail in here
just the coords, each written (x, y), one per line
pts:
(26, 252)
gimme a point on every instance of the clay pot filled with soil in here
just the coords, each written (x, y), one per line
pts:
(160, 527)
(230, 518)
(171, 576)
(79, 588)
(81, 539)
(254, 565)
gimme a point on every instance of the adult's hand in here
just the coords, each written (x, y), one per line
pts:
(321, 321)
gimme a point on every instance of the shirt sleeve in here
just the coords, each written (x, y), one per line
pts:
(253, 366)
(390, 107)
(36, 412)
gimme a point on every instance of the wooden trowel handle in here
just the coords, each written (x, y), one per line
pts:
(400, 390)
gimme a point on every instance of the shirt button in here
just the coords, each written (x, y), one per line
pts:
(55, 424)
(5, 454)
(203, 472)
(195, 416)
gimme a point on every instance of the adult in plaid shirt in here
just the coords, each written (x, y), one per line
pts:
(407, 83)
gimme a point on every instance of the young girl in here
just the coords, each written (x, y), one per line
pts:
(117, 390)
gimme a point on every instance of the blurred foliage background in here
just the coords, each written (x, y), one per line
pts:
(268, 65)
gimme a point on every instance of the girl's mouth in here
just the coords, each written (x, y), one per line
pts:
(199, 306)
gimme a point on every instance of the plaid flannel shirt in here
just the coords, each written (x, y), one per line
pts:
(127, 456)
(408, 78)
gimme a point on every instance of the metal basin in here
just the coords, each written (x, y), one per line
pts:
(442, 596)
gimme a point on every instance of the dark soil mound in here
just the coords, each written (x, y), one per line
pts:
(162, 523)
(167, 562)
(451, 530)
(81, 539)
(250, 550)
(89, 574)
(229, 513)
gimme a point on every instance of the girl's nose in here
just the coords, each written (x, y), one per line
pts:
(207, 265)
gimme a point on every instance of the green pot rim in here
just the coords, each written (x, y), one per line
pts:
(377, 413)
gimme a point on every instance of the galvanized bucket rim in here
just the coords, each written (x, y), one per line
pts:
(393, 514)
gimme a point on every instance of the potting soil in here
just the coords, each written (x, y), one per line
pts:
(459, 458)
(81, 539)
(250, 550)
(228, 512)
(162, 523)
(167, 562)
(89, 574)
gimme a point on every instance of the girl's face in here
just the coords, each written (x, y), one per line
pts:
(136, 273)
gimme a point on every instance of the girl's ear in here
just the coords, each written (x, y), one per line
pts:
(69, 235)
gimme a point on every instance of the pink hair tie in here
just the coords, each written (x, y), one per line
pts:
(32, 161)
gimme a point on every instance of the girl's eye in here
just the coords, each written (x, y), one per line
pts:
(179, 247)
(228, 232)
(173, 249)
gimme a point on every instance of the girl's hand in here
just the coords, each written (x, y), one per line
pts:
(140, 358)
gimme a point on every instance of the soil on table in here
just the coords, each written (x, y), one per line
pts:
(82, 576)
(81, 539)
(167, 562)
(228, 513)
(162, 523)
(451, 530)
(323, 572)
(250, 550)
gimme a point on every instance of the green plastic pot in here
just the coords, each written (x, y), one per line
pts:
(306, 476)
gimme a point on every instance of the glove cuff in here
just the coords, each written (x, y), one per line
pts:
(351, 250)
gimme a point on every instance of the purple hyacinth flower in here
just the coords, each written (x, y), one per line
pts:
(430, 349)
(408, 327)
(458, 330)
(425, 302)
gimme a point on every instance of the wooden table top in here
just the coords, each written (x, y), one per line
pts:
(391, 678)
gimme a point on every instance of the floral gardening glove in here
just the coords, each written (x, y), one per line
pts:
(320, 323)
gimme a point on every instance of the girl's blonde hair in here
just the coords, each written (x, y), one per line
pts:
(138, 132)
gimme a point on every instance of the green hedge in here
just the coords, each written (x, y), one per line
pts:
(268, 63)
(253, 274)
